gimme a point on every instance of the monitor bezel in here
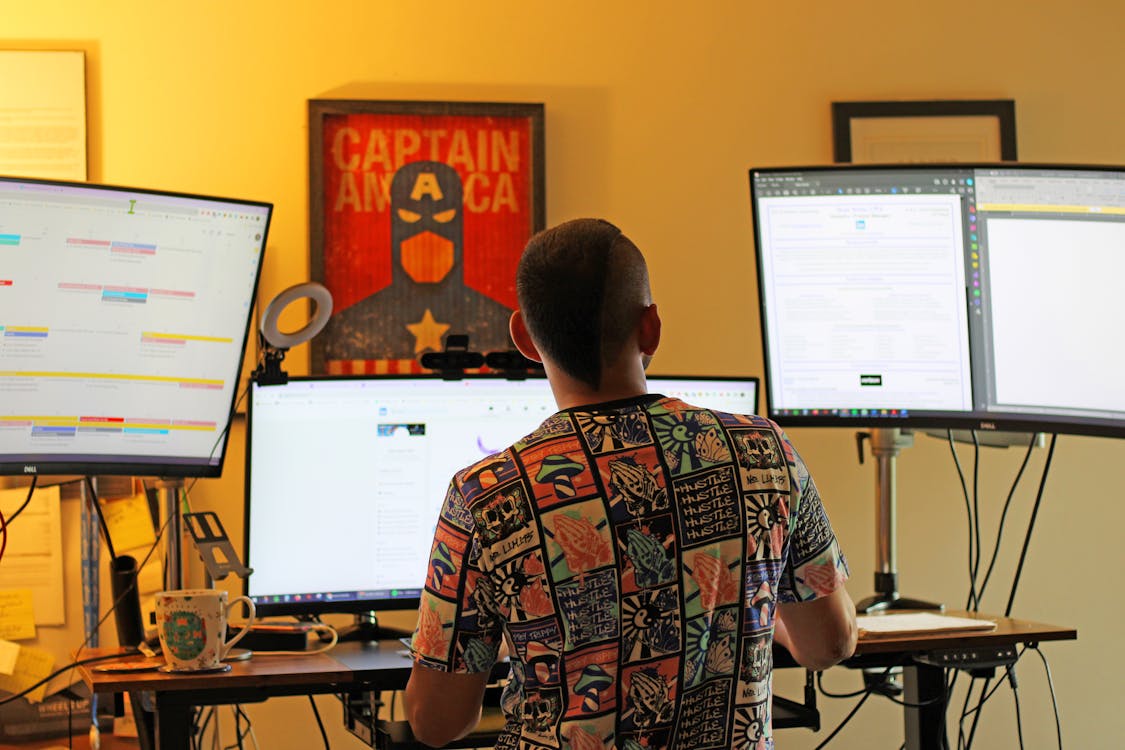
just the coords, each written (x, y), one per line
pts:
(977, 421)
(124, 464)
(757, 381)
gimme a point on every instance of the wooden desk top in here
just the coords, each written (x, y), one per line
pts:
(358, 662)
(305, 669)
(1008, 631)
(347, 662)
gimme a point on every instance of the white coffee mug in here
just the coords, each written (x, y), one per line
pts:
(192, 624)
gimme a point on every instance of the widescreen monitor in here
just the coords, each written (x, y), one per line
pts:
(123, 320)
(346, 476)
(981, 297)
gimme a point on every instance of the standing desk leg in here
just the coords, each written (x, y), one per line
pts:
(925, 687)
(173, 725)
(143, 720)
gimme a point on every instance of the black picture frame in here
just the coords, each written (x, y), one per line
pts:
(845, 113)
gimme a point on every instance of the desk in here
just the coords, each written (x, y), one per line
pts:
(382, 666)
(924, 683)
(351, 666)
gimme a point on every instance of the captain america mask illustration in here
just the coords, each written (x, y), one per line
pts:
(426, 221)
(427, 298)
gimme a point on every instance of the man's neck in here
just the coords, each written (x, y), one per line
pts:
(618, 383)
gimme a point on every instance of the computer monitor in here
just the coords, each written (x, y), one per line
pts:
(123, 320)
(345, 476)
(981, 297)
(734, 395)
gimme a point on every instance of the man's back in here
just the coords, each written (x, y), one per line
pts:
(634, 554)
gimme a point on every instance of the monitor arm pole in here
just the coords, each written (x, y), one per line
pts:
(168, 495)
(886, 444)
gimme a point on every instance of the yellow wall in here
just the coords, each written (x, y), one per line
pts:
(655, 110)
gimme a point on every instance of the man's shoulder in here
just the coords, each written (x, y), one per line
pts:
(727, 419)
(491, 471)
(501, 468)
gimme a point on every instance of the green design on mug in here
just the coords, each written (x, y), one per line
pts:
(184, 634)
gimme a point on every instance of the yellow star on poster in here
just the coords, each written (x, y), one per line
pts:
(427, 333)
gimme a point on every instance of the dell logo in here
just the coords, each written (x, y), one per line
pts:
(30, 470)
(988, 425)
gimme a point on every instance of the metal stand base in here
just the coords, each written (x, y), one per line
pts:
(366, 627)
(886, 444)
(892, 602)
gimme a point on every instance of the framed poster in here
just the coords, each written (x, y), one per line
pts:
(924, 131)
(418, 214)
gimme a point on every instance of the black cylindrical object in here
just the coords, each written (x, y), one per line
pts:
(127, 611)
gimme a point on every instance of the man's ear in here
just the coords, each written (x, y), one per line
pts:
(648, 332)
(522, 338)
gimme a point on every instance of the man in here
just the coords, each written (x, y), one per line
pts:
(638, 555)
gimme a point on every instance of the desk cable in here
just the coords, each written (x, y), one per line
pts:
(972, 513)
(5, 523)
(1051, 685)
(866, 693)
(1011, 675)
(975, 712)
(211, 713)
(72, 665)
(319, 723)
(976, 593)
(321, 627)
(1003, 518)
(972, 510)
(855, 709)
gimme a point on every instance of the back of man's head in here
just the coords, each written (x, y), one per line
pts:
(582, 287)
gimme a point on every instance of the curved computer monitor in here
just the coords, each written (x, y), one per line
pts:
(981, 297)
(345, 476)
(124, 315)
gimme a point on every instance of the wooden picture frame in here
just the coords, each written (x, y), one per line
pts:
(418, 213)
(924, 131)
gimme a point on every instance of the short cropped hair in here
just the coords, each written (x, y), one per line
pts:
(582, 287)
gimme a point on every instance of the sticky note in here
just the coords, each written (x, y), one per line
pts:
(32, 665)
(9, 652)
(17, 616)
(129, 522)
(150, 578)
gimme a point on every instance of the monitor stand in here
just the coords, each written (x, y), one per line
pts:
(366, 627)
(168, 491)
(886, 444)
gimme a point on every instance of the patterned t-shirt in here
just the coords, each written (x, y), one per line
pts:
(633, 554)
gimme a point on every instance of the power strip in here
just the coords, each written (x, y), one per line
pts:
(973, 657)
(276, 636)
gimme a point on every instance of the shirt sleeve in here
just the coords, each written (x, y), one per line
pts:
(457, 629)
(815, 565)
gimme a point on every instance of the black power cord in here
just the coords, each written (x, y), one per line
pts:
(1003, 518)
(972, 600)
(976, 521)
(72, 665)
(1051, 686)
(1031, 525)
(6, 522)
(319, 723)
(27, 500)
